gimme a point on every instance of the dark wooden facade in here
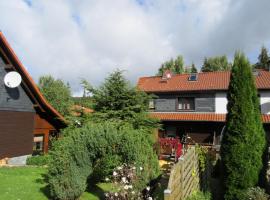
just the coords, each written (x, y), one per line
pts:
(16, 133)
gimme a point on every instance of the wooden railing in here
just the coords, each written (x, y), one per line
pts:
(184, 177)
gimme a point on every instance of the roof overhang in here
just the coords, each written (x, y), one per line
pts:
(199, 117)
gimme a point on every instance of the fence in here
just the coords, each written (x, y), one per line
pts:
(184, 177)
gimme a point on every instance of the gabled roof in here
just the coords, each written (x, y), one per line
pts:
(27, 79)
(204, 117)
(205, 81)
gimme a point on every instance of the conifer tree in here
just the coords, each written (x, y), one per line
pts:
(193, 68)
(263, 59)
(244, 139)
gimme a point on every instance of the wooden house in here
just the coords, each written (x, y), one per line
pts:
(27, 120)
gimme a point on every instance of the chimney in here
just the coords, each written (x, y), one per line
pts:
(167, 74)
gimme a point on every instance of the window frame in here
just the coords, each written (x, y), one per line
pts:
(151, 102)
(192, 105)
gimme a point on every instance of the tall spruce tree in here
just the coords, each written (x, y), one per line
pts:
(244, 139)
(263, 59)
(193, 68)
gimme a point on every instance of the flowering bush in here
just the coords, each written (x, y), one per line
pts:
(124, 179)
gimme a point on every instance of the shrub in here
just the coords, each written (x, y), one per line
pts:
(81, 149)
(256, 193)
(243, 143)
(105, 166)
(39, 160)
(198, 195)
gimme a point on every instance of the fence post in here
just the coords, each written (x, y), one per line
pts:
(167, 194)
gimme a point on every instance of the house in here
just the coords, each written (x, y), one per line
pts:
(27, 120)
(193, 107)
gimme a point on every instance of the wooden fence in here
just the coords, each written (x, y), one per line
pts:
(184, 177)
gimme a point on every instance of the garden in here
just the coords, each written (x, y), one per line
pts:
(109, 154)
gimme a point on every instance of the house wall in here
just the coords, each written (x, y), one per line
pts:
(13, 99)
(169, 103)
(265, 102)
(221, 102)
(16, 133)
(206, 102)
(16, 119)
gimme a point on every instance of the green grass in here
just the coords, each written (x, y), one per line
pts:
(27, 183)
(97, 191)
(22, 183)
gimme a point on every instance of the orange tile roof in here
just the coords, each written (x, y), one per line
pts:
(207, 117)
(205, 81)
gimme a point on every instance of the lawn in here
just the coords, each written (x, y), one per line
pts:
(22, 183)
(27, 183)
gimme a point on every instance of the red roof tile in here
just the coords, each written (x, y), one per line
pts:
(205, 81)
(208, 117)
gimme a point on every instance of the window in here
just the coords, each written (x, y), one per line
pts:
(151, 104)
(38, 144)
(186, 103)
(193, 77)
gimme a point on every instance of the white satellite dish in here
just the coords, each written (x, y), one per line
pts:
(12, 79)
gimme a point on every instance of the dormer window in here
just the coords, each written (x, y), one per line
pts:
(193, 77)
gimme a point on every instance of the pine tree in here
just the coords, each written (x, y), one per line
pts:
(263, 59)
(193, 68)
(244, 140)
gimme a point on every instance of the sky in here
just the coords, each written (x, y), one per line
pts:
(75, 39)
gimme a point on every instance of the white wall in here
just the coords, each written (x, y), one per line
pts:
(221, 102)
(265, 102)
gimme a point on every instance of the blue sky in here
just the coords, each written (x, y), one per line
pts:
(73, 39)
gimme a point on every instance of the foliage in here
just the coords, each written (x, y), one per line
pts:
(76, 154)
(105, 166)
(256, 193)
(124, 180)
(117, 101)
(57, 93)
(263, 59)
(39, 160)
(202, 156)
(244, 140)
(198, 195)
(84, 101)
(174, 65)
(193, 68)
(218, 63)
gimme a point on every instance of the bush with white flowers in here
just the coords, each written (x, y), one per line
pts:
(124, 179)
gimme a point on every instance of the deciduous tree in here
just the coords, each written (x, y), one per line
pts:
(57, 93)
(218, 63)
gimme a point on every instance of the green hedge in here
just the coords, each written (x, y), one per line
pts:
(81, 152)
(39, 160)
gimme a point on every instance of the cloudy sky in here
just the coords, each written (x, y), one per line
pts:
(76, 39)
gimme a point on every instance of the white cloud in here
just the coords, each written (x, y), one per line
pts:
(88, 39)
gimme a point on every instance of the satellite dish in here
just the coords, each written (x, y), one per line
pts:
(12, 79)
